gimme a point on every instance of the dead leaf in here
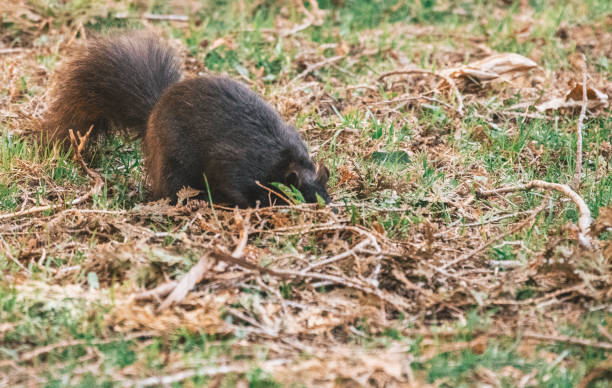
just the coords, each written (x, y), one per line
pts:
(604, 221)
(342, 48)
(227, 41)
(573, 98)
(576, 92)
(378, 227)
(488, 69)
(186, 193)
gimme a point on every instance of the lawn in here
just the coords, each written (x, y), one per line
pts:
(469, 239)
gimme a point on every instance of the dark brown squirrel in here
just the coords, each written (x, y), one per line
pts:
(206, 133)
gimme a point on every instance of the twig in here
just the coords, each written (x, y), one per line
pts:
(191, 278)
(152, 16)
(318, 65)
(399, 304)
(449, 106)
(370, 240)
(27, 356)
(297, 29)
(158, 292)
(595, 374)
(566, 339)
(584, 221)
(484, 246)
(523, 115)
(10, 256)
(578, 173)
(541, 299)
(202, 371)
(177, 377)
(12, 50)
(311, 18)
(287, 201)
(251, 321)
(508, 232)
(490, 221)
(526, 334)
(98, 182)
(423, 71)
(361, 86)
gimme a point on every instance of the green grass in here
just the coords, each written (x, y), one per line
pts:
(15, 153)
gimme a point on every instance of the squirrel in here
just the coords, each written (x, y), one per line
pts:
(210, 133)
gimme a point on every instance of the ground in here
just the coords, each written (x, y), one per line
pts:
(438, 267)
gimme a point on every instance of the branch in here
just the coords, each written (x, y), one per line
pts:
(423, 71)
(167, 380)
(157, 292)
(397, 303)
(11, 50)
(484, 246)
(152, 16)
(526, 334)
(279, 195)
(315, 66)
(29, 355)
(566, 339)
(578, 173)
(370, 240)
(584, 221)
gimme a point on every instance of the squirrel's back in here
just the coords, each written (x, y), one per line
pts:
(111, 82)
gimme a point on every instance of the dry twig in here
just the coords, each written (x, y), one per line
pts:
(397, 303)
(566, 339)
(580, 126)
(423, 71)
(27, 356)
(202, 371)
(487, 244)
(158, 292)
(585, 220)
(11, 50)
(525, 334)
(279, 195)
(318, 65)
(155, 17)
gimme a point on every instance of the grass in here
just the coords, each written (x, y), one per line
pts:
(404, 169)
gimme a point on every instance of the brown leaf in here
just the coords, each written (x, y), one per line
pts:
(489, 68)
(186, 193)
(573, 98)
(378, 227)
(604, 221)
(227, 41)
(575, 93)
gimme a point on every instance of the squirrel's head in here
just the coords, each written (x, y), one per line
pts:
(308, 180)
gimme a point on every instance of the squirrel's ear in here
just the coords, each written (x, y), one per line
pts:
(292, 178)
(322, 174)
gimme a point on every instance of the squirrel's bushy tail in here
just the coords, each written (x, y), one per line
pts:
(112, 83)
